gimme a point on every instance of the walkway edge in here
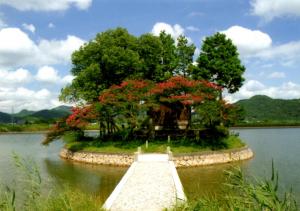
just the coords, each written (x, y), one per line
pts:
(178, 186)
(109, 201)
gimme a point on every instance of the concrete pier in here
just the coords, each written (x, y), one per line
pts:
(150, 183)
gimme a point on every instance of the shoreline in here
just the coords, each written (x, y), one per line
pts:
(93, 130)
(265, 127)
(180, 160)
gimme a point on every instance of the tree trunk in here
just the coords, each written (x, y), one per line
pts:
(221, 108)
(172, 116)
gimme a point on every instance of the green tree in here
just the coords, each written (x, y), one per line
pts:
(219, 62)
(114, 56)
(106, 60)
(169, 59)
(150, 49)
(184, 53)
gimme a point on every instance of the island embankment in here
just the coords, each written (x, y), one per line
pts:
(180, 160)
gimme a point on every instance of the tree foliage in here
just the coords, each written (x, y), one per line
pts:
(133, 97)
(219, 62)
(185, 53)
(106, 60)
(115, 55)
(124, 78)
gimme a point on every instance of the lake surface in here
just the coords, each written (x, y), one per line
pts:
(280, 144)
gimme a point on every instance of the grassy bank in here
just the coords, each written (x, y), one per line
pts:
(269, 124)
(24, 127)
(45, 127)
(178, 146)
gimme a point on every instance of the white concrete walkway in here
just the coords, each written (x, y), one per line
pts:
(151, 183)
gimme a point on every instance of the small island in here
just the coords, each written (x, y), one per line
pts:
(145, 94)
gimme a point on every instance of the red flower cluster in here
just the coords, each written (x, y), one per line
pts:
(106, 96)
(186, 99)
(179, 80)
(131, 90)
(80, 117)
(161, 87)
(176, 89)
(211, 85)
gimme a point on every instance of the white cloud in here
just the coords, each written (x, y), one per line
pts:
(29, 27)
(277, 75)
(17, 77)
(24, 98)
(58, 51)
(51, 25)
(47, 74)
(16, 47)
(175, 31)
(253, 85)
(257, 44)
(248, 41)
(269, 9)
(42, 5)
(13, 93)
(67, 79)
(16, 44)
(42, 94)
(288, 53)
(287, 90)
(192, 29)
(50, 75)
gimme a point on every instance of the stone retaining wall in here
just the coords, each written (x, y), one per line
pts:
(209, 158)
(98, 158)
(180, 160)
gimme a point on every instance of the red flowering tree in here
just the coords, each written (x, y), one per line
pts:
(166, 103)
(76, 122)
(140, 103)
(176, 96)
(81, 117)
(128, 102)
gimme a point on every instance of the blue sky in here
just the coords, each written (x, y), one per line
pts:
(37, 38)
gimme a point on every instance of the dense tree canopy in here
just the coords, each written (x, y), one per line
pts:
(116, 55)
(135, 84)
(219, 62)
(185, 53)
(106, 60)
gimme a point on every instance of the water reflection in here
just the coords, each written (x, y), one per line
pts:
(204, 180)
(93, 179)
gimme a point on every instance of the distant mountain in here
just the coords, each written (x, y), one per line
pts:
(51, 114)
(24, 113)
(46, 115)
(5, 118)
(262, 108)
(63, 108)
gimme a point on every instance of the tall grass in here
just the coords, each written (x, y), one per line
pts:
(241, 193)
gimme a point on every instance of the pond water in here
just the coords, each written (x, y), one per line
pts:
(280, 144)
